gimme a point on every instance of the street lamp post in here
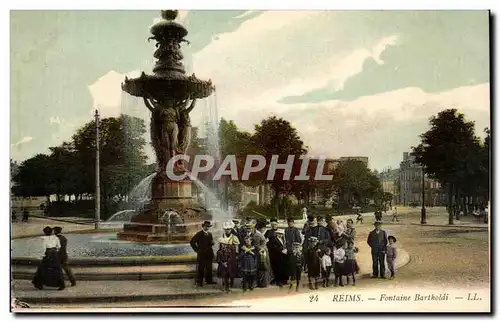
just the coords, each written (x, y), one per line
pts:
(423, 219)
(97, 180)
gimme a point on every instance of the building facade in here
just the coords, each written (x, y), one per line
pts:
(389, 180)
(410, 185)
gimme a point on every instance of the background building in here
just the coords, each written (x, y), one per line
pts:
(389, 179)
(410, 187)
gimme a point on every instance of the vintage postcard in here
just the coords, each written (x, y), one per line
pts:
(250, 161)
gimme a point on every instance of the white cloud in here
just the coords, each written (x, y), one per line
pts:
(381, 126)
(24, 140)
(258, 64)
(107, 93)
(55, 120)
(244, 14)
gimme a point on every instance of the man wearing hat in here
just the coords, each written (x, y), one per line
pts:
(202, 243)
(278, 256)
(292, 235)
(317, 231)
(377, 240)
(63, 255)
(270, 233)
(236, 227)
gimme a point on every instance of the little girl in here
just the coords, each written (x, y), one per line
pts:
(339, 259)
(249, 263)
(326, 267)
(351, 266)
(391, 255)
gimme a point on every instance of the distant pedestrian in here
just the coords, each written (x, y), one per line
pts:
(359, 218)
(202, 243)
(392, 254)
(14, 215)
(395, 216)
(377, 240)
(26, 214)
(304, 213)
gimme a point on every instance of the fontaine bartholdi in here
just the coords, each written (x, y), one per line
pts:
(172, 215)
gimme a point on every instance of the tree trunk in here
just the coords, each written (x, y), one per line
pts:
(283, 206)
(450, 204)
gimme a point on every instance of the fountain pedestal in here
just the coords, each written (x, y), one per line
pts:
(172, 201)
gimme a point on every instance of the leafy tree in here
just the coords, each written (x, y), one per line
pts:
(276, 136)
(450, 153)
(355, 183)
(33, 178)
(65, 177)
(122, 157)
(232, 141)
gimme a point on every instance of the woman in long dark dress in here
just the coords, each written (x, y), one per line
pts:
(49, 272)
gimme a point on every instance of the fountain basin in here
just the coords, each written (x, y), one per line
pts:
(101, 247)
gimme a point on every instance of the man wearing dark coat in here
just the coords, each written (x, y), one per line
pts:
(292, 235)
(270, 233)
(63, 255)
(377, 240)
(202, 243)
(319, 232)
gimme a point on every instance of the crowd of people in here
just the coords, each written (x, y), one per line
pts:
(261, 256)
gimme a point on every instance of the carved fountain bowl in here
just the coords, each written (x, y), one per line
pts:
(171, 86)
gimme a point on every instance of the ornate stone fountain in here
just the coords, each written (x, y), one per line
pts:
(170, 95)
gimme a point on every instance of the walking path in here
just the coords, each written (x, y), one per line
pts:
(35, 227)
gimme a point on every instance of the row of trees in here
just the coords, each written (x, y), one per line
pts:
(353, 183)
(451, 153)
(69, 169)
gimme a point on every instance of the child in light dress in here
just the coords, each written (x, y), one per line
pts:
(392, 254)
(326, 266)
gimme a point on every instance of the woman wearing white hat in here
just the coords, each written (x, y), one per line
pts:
(227, 256)
(279, 257)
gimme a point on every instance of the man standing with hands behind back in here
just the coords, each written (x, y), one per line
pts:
(63, 255)
(202, 243)
(377, 240)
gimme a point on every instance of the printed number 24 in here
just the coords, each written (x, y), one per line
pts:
(313, 298)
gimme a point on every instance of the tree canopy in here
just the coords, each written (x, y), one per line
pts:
(452, 154)
(69, 169)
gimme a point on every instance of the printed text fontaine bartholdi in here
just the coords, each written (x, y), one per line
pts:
(392, 298)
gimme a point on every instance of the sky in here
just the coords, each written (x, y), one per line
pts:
(353, 83)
